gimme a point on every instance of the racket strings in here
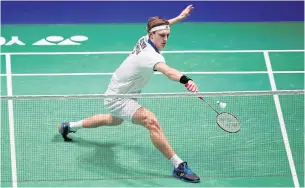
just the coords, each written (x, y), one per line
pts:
(228, 122)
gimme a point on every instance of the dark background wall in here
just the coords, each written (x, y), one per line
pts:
(59, 12)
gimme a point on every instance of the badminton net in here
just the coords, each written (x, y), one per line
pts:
(126, 152)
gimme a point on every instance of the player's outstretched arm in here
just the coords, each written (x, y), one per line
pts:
(177, 76)
(185, 13)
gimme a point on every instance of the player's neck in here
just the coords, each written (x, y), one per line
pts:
(153, 45)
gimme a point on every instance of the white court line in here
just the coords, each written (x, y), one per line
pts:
(157, 73)
(164, 52)
(11, 120)
(281, 121)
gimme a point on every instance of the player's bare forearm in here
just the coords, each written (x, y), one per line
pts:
(174, 20)
(171, 73)
(177, 76)
(185, 13)
(174, 74)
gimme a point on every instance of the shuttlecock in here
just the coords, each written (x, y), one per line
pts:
(221, 104)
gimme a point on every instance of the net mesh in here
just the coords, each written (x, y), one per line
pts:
(126, 151)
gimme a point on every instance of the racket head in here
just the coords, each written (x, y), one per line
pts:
(228, 122)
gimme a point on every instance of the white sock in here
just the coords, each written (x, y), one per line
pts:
(176, 161)
(76, 125)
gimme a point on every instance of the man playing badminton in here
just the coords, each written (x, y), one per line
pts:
(130, 78)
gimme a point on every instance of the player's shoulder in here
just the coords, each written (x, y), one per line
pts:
(155, 56)
(147, 51)
(143, 38)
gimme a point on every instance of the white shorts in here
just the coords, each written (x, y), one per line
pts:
(122, 108)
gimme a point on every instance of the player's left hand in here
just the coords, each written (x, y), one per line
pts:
(186, 12)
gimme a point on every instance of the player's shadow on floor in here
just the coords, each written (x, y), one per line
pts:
(103, 162)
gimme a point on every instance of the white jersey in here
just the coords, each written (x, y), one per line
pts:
(135, 71)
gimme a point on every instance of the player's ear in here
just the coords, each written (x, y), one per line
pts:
(150, 34)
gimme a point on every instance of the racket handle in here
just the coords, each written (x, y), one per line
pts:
(198, 97)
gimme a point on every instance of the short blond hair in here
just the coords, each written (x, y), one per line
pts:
(155, 21)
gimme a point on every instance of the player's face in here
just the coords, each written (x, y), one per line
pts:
(160, 38)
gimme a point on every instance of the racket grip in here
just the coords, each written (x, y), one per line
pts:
(198, 97)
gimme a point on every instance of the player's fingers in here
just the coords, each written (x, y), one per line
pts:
(192, 88)
(188, 87)
(195, 88)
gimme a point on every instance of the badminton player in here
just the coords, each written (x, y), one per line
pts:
(130, 78)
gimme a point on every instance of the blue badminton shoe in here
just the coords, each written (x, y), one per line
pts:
(64, 130)
(184, 173)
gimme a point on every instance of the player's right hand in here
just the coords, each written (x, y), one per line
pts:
(191, 86)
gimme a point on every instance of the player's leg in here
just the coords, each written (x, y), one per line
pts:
(97, 121)
(147, 119)
(93, 121)
(90, 122)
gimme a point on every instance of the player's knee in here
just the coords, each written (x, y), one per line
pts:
(152, 123)
(110, 120)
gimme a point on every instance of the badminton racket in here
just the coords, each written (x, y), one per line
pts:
(225, 120)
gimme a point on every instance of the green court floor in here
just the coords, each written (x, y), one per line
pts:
(123, 155)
